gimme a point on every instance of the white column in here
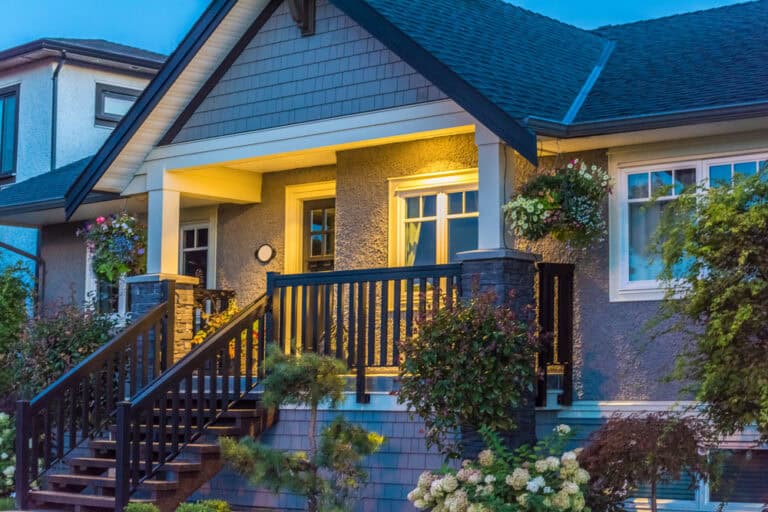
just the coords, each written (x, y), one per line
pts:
(492, 166)
(163, 232)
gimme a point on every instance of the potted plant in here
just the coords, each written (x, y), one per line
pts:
(567, 204)
(118, 243)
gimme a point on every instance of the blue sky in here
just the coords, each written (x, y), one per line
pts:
(158, 25)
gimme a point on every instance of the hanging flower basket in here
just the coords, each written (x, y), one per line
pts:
(567, 204)
(118, 243)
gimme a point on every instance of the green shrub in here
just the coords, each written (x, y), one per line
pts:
(7, 458)
(468, 365)
(141, 507)
(7, 504)
(193, 507)
(52, 344)
(205, 506)
(15, 291)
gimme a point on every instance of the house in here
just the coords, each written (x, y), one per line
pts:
(60, 99)
(328, 160)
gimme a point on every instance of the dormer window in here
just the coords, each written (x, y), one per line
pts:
(9, 121)
(113, 102)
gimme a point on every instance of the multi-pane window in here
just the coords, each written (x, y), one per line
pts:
(194, 252)
(438, 225)
(642, 194)
(113, 102)
(321, 235)
(9, 105)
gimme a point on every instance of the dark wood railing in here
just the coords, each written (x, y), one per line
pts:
(359, 316)
(555, 314)
(80, 404)
(188, 398)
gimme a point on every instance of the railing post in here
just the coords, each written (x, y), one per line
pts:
(169, 328)
(122, 456)
(269, 320)
(22, 454)
(362, 396)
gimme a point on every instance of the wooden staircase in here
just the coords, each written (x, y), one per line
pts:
(87, 481)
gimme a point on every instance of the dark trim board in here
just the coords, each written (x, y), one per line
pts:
(227, 63)
(12, 90)
(176, 63)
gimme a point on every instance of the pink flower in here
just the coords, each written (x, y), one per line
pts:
(100, 220)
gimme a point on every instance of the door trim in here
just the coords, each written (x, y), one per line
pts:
(295, 195)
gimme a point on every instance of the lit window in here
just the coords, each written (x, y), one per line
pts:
(438, 225)
(9, 105)
(113, 102)
(194, 252)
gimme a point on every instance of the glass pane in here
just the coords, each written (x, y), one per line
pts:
(682, 489)
(719, 175)
(9, 134)
(202, 237)
(471, 201)
(745, 168)
(107, 295)
(330, 242)
(412, 207)
(743, 478)
(189, 238)
(420, 243)
(643, 220)
(456, 202)
(117, 104)
(661, 183)
(462, 236)
(330, 218)
(196, 264)
(430, 205)
(637, 186)
(316, 245)
(316, 220)
(684, 179)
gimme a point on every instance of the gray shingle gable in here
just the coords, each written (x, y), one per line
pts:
(696, 60)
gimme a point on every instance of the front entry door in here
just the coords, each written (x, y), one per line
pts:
(319, 236)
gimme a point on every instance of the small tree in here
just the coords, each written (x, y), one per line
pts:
(629, 451)
(15, 290)
(330, 471)
(714, 249)
(469, 365)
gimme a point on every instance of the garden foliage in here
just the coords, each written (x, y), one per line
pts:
(714, 249)
(329, 474)
(645, 449)
(119, 244)
(567, 203)
(542, 478)
(7, 457)
(15, 291)
(467, 366)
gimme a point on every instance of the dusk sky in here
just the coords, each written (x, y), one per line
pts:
(159, 25)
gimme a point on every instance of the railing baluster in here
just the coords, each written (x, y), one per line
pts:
(351, 333)
(384, 305)
(134, 369)
(281, 315)
(158, 355)
(188, 408)
(302, 339)
(201, 396)
(339, 321)
(123, 473)
(422, 298)
(261, 349)
(145, 370)
(327, 319)
(225, 362)
(314, 297)
(371, 349)
(435, 294)
(60, 414)
(409, 307)
(175, 418)
(397, 301)
(72, 417)
(213, 384)
(249, 356)
(109, 383)
(238, 361)
(148, 439)
(293, 334)
(162, 429)
(84, 408)
(47, 448)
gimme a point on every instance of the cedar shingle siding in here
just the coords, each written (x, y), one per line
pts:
(282, 78)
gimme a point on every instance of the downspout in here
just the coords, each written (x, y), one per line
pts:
(54, 106)
(39, 272)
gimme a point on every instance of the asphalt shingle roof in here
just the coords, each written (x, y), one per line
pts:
(702, 59)
(45, 188)
(102, 45)
(526, 63)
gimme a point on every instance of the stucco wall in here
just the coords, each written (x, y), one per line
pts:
(616, 358)
(64, 256)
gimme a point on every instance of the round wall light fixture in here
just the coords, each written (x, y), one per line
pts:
(265, 253)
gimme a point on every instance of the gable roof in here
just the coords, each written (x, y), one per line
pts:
(688, 61)
(94, 50)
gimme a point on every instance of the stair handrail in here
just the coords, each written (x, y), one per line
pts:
(202, 366)
(81, 401)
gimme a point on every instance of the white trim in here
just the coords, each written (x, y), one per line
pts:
(358, 130)
(399, 188)
(295, 195)
(620, 164)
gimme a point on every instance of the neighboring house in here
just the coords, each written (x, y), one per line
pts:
(59, 101)
(358, 135)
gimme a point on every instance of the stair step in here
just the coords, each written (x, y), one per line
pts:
(202, 448)
(103, 463)
(230, 413)
(72, 498)
(219, 430)
(106, 482)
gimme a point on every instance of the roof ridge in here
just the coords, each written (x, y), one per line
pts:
(676, 15)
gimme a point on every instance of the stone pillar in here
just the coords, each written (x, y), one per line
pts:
(510, 275)
(147, 291)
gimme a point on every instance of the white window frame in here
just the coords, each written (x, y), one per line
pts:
(620, 288)
(210, 278)
(440, 183)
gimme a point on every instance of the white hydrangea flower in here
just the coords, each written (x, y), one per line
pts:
(562, 429)
(570, 487)
(535, 484)
(547, 490)
(518, 479)
(541, 465)
(450, 483)
(489, 479)
(485, 458)
(581, 476)
(553, 463)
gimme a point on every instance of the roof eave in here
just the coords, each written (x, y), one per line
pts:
(47, 44)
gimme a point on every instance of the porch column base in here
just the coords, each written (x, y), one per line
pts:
(510, 275)
(148, 290)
